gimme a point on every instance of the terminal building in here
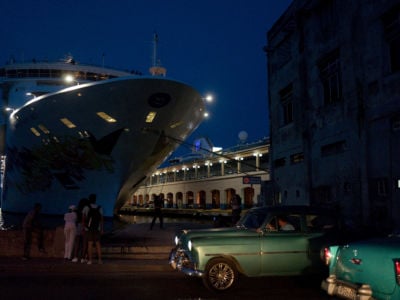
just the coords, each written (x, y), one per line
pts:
(208, 179)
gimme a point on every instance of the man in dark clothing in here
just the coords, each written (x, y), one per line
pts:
(236, 204)
(158, 205)
(32, 224)
(93, 222)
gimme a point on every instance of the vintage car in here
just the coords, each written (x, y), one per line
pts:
(257, 246)
(364, 270)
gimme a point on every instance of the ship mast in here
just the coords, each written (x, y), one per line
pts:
(156, 69)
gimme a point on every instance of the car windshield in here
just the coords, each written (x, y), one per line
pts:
(252, 219)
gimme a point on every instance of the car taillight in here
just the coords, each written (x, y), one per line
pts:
(327, 256)
(397, 270)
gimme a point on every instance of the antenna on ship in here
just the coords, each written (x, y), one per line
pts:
(156, 69)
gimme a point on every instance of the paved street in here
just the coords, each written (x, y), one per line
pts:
(134, 279)
(135, 267)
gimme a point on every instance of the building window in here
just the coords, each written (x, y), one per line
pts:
(321, 196)
(286, 96)
(391, 26)
(296, 158)
(280, 162)
(329, 68)
(333, 149)
(280, 51)
(379, 188)
(396, 123)
(382, 187)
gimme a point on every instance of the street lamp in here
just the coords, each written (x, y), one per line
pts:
(9, 109)
(208, 98)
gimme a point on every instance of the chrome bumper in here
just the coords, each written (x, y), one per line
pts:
(179, 260)
(334, 287)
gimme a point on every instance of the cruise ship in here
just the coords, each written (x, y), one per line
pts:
(70, 129)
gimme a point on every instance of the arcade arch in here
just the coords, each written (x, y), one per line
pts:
(201, 199)
(215, 199)
(248, 197)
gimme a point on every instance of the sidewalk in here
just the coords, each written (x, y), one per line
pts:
(138, 240)
(134, 246)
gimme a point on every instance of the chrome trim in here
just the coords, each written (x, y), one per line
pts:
(255, 253)
(176, 258)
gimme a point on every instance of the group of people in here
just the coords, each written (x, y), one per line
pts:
(83, 228)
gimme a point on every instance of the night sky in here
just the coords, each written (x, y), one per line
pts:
(215, 46)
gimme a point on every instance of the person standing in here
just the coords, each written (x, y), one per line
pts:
(70, 219)
(94, 226)
(236, 204)
(32, 224)
(80, 245)
(158, 205)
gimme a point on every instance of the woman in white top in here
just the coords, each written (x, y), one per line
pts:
(70, 219)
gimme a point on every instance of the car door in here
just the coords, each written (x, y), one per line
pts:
(284, 252)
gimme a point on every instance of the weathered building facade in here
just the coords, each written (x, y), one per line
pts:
(334, 92)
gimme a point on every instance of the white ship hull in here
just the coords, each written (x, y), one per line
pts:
(108, 147)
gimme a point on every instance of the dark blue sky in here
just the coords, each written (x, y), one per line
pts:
(215, 46)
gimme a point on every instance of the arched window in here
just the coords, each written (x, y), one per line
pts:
(201, 200)
(170, 200)
(189, 199)
(179, 200)
(215, 199)
(248, 197)
(229, 195)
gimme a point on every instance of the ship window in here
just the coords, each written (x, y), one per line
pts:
(106, 117)
(150, 116)
(92, 76)
(44, 129)
(67, 123)
(11, 73)
(55, 73)
(176, 124)
(44, 73)
(35, 132)
(32, 73)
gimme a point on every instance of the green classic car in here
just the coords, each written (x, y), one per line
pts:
(267, 241)
(364, 270)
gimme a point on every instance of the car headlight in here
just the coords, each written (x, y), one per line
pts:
(190, 245)
(176, 240)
